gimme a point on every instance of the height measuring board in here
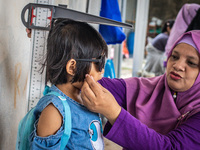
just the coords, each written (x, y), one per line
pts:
(39, 20)
(38, 49)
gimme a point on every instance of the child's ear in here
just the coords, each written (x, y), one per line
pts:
(71, 66)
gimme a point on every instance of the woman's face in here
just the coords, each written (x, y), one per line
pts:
(182, 67)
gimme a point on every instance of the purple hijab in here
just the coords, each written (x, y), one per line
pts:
(183, 19)
(152, 102)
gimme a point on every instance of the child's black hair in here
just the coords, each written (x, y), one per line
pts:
(69, 39)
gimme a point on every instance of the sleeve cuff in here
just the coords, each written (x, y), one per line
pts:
(110, 130)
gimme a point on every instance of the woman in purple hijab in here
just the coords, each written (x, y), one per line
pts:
(158, 113)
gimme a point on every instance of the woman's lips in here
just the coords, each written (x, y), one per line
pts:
(175, 76)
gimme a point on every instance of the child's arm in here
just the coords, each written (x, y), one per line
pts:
(49, 122)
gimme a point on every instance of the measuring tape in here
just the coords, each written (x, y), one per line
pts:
(38, 50)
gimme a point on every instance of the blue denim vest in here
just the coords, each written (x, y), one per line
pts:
(86, 126)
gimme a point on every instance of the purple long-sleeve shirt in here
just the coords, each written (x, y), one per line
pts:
(130, 133)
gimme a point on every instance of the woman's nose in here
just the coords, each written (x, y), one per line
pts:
(179, 65)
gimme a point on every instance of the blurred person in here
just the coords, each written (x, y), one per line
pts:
(156, 49)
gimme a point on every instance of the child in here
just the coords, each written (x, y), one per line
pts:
(74, 49)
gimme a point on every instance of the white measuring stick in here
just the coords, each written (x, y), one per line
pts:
(38, 50)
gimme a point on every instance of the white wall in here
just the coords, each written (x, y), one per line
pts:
(14, 66)
(14, 61)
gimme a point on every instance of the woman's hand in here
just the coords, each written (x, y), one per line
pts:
(98, 99)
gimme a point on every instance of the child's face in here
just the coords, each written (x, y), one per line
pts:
(97, 75)
(94, 72)
(182, 67)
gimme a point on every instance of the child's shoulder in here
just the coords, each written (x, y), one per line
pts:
(50, 100)
(47, 99)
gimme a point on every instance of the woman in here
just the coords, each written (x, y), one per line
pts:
(153, 113)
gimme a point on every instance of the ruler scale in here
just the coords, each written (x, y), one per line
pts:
(38, 50)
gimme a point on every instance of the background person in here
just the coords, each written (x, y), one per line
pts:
(156, 49)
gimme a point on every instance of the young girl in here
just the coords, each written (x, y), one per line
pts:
(74, 49)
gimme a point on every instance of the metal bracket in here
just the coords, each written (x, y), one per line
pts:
(61, 12)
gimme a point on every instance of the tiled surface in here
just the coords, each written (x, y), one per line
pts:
(109, 145)
(126, 68)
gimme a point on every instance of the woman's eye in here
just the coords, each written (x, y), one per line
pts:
(192, 64)
(174, 57)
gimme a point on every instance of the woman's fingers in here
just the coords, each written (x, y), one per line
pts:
(91, 93)
(88, 97)
(94, 86)
(28, 31)
(86, 93)
(98, 99)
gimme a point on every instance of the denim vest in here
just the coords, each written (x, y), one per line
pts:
(86, 130)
